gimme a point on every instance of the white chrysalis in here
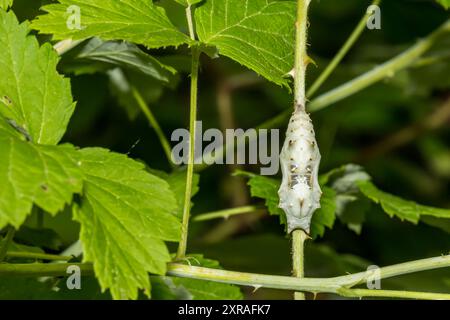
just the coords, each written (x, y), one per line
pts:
(300, 158)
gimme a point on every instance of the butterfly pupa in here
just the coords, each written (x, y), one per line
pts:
(300, 158)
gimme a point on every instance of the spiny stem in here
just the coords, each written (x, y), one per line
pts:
(301, 64)
(154, 124)
(192, 134)
(37, 256)
(341, 54)
(226, 213)
(6, 242)
(360, 293)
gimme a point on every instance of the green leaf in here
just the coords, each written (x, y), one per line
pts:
(325, 215)
(192, 289)
(187, 3)
(126, 214)
(122, 82)
(259, 34)
(5, 4)
(398, 207)
(30, 174)
(138, 21)
(32, 93)
(444, 3)
(107, 55)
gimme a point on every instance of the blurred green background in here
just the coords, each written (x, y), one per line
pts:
(398, 130)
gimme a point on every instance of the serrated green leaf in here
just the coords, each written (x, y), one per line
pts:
(398, 207)
(32, 93)
(47, 176)
(187, 3)
(126, 214)
(325, 215)
(5, 4)
(260, 34)
(112, 54)
(138, 21)
(444, 3)
(192, 289)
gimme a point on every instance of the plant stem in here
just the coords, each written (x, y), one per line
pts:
(192, 134)
(154, 124)
(301, 64)
(298, 257)
(64, 46)
(6, 242)
(226, 213)
(341, 54)
(337, 285)
(388, 69)
(37, 256)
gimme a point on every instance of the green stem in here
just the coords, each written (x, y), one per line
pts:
(336, 285)
(154, 124)
(360, 293)
(341, 54)
(190, 22)
(37, 256)
(226, 213)
(6, 242)
(192, 134)
(298, 258)
(388, 69)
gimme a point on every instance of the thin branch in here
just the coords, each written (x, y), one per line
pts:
(360, 293)
(314, 285)
(301, 63)
(181, 252)
(435, 120)
(64, 46)
(6, 242)
(341, 54)
(225, 214)
(386, 70)
(37, 256)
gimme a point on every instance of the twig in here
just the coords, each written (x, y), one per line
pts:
(154, 124)
(6, 242)
(226, 213)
